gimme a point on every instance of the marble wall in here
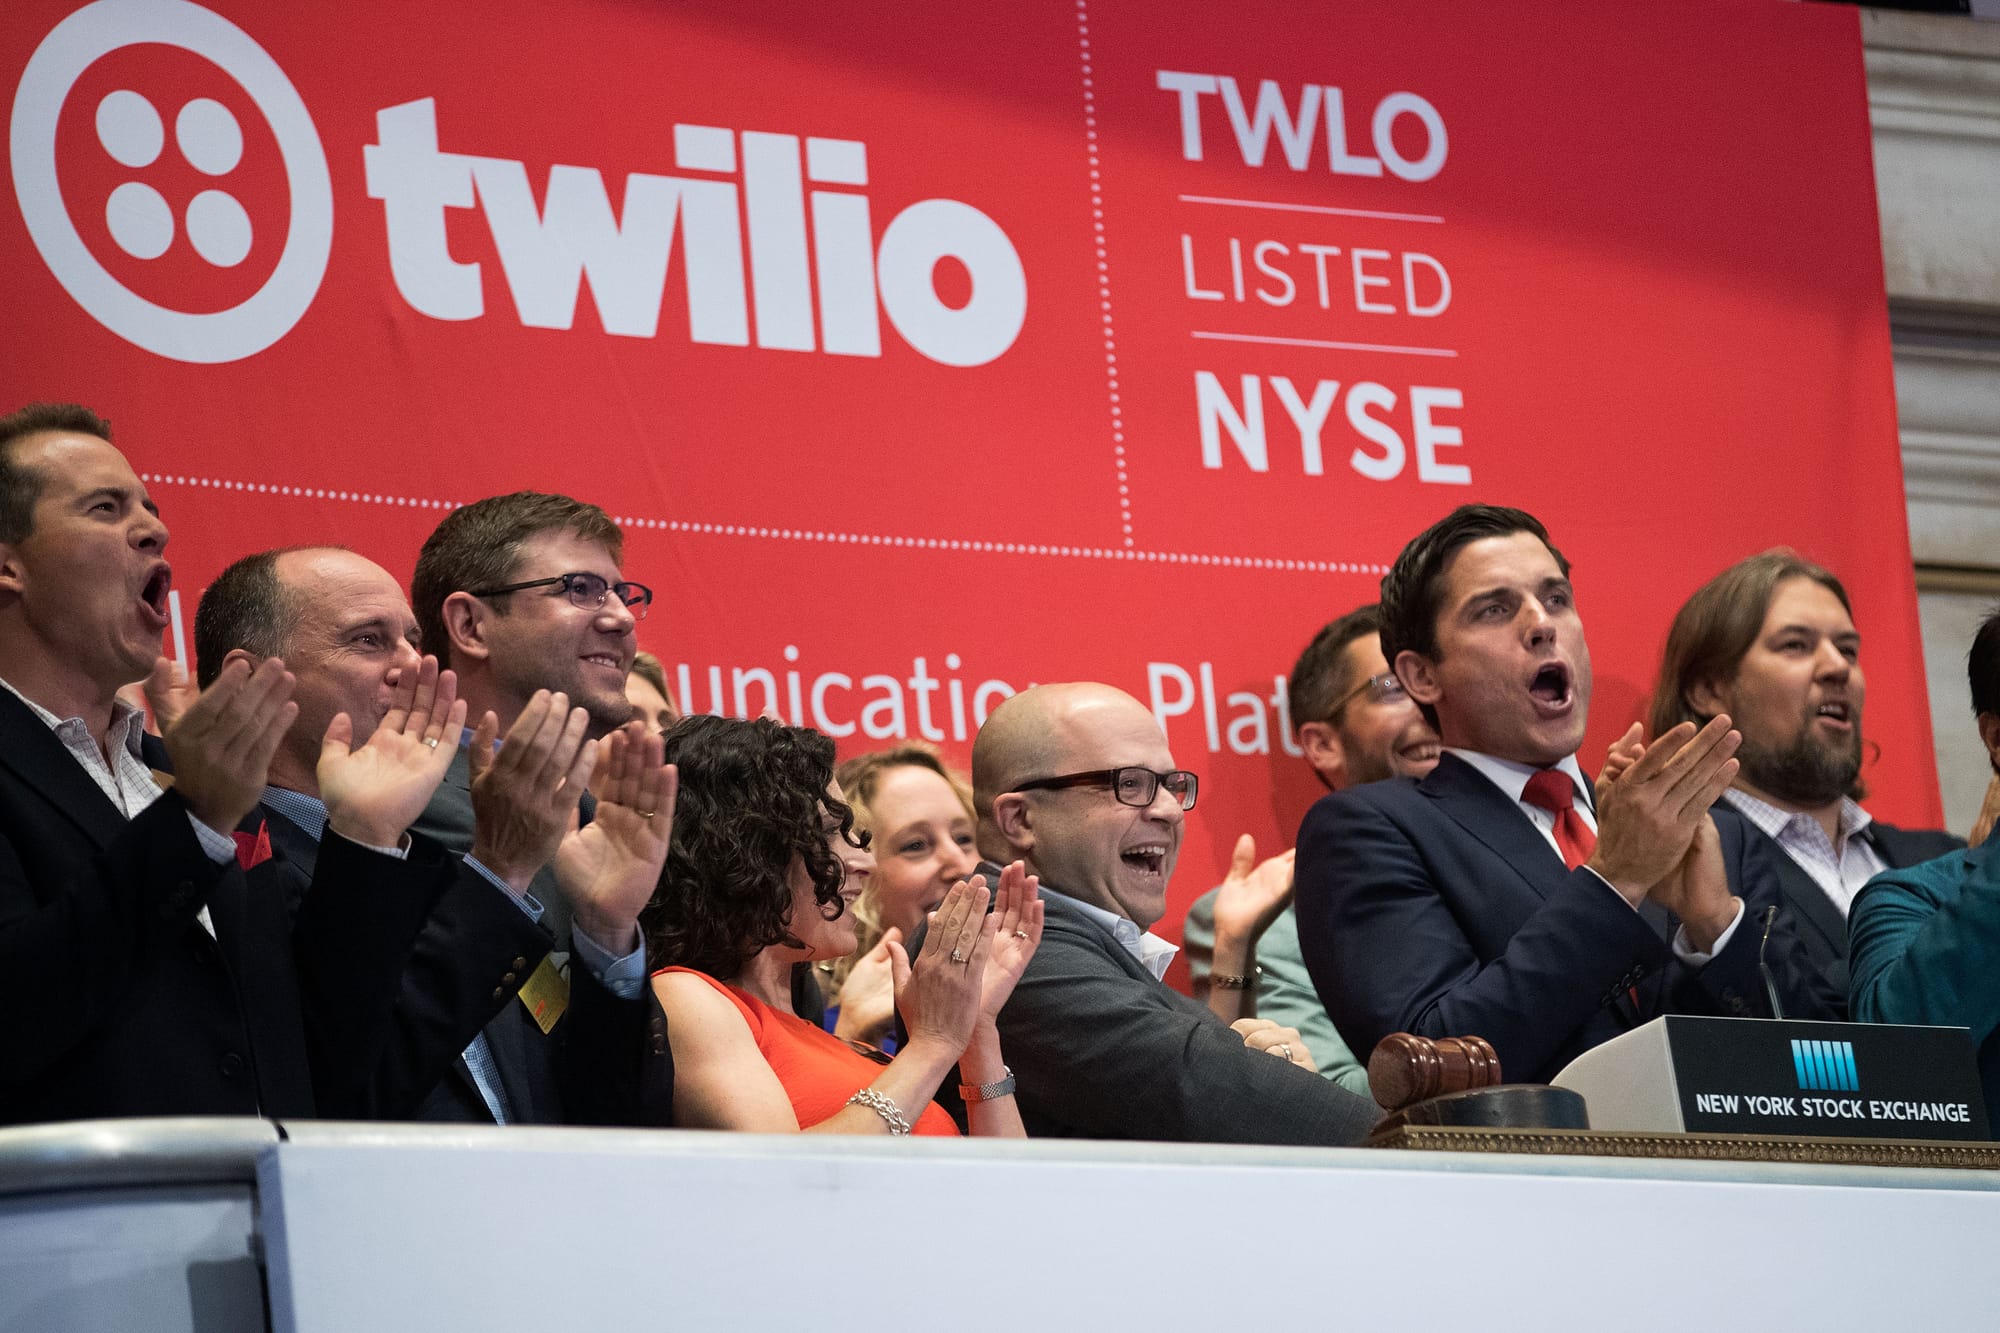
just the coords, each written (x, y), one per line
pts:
(1934, 99)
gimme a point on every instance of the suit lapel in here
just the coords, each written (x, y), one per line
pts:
(1811, 908)
(32, 751)
(1486, 813)
(288, 840)
(516, 1045)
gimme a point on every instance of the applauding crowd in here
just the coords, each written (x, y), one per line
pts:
(458, 857)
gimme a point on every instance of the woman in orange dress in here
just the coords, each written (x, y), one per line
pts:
(763, 867)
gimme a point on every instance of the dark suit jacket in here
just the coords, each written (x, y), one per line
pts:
(1103, 1050)
(123, 1004)
(586, 1070)
(1821, 927)
(1436, 907)
(401, 962)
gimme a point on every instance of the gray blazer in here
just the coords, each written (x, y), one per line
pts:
(1103, 1050)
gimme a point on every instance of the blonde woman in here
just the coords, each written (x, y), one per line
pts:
(918, 814)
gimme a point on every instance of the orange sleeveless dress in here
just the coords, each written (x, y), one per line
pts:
(819, 1071)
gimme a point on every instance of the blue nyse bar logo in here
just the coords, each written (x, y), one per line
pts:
(1825, 1066)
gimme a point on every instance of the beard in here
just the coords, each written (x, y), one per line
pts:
(1806, 771)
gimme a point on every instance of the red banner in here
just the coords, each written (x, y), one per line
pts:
(929, 351)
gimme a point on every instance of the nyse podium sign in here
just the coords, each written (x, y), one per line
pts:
(1854, 1080)
(1758, 1076)
(929, 350)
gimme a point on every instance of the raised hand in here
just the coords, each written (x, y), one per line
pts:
(1624, 752)
(375, 793)
(609, 868)
(168, 692)
(868, 996)
(1252, 894)
(524, 797)
(939, 995)
(221, 746)
(1015, 928)
(1647, 816)
(1989, 811)
(1697, 890)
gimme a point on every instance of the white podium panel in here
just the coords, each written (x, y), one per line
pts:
(431, 1229)
(131, 1224)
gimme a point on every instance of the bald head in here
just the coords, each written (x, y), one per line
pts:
(343, 627)
(1081, 840)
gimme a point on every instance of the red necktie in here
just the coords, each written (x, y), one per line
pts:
(1551, 790)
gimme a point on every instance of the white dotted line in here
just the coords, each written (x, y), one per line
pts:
(1103, 270)
(303, 492)
(1003, 548)
(813, 535)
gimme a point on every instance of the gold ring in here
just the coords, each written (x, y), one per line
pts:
(648, 814)
(1285, 1049)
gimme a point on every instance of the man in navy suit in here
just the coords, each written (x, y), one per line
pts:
(1501, 896)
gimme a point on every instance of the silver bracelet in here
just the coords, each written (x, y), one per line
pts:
(892, 1115)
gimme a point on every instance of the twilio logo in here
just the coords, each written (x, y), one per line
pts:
(732, 192)
(131, 135)
(168, 190)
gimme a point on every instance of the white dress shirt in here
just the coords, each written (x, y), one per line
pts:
(1840, 869)
(125, 779)
(1154, 954)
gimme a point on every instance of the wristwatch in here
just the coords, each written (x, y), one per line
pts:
(986, 1092)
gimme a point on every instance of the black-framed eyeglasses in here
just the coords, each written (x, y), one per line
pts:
(1131, 786)
(1384, 687)
(587, 591)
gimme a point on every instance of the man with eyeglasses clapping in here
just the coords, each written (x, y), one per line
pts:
(1077, 780)
(523, 597)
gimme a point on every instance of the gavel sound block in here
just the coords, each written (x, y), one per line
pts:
(1456, 1081)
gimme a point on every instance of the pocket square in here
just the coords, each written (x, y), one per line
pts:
(253, 849)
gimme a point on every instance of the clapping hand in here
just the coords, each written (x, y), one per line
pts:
(1648, 815)
(373, 794)
(609, 868)
(1697, 890)
(1989, 811)
(168, 692)
(1624, 752)
(221, 747)
(939, 995)
(524, 797)
(1017, 931)
(868, 995)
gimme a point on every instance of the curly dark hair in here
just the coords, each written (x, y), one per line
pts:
(752, 801)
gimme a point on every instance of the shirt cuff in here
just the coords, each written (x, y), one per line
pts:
(1687, 953)
(220, 847)
(530, 905)
(623, 976)
(1609, 885)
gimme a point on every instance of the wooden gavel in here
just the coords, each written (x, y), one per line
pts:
(1405, 1068)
